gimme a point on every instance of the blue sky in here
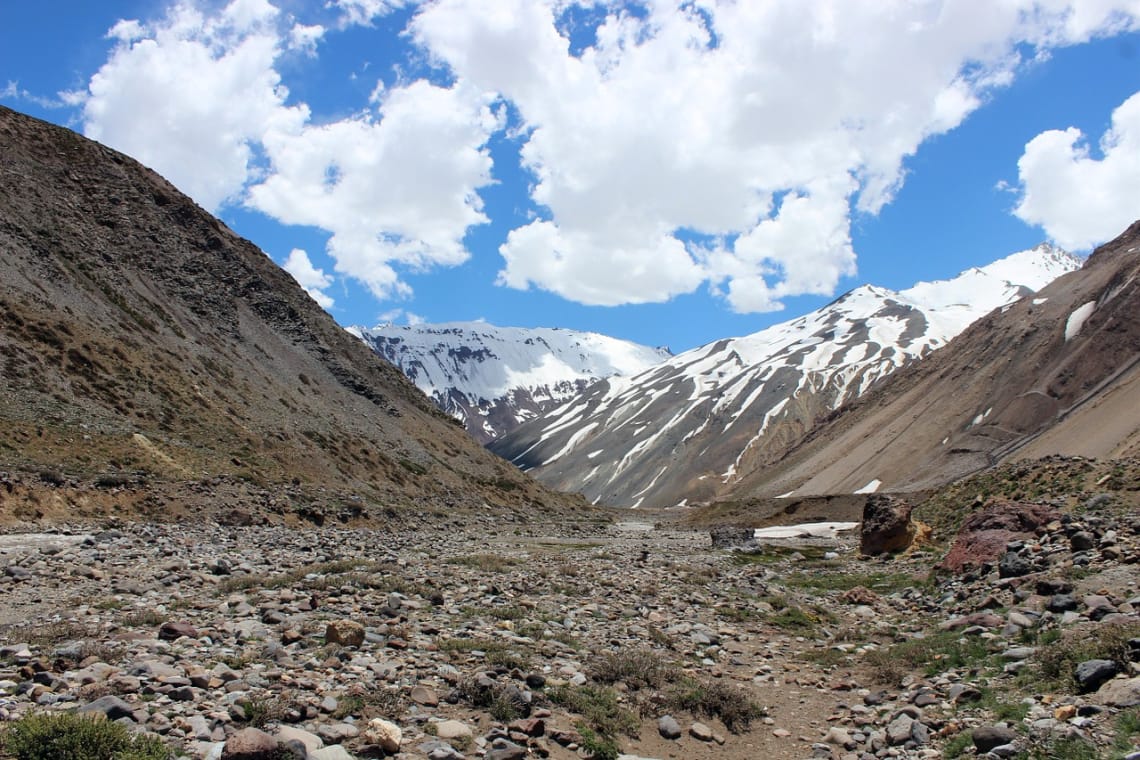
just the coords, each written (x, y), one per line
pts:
(669, 173)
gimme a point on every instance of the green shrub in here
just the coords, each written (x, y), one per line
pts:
(599, 707)
(637, 669)
(716, 699)
(69, 736)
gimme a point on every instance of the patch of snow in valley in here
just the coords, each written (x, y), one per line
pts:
(871, 487)
(806, 530)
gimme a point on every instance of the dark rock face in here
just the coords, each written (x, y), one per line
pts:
(984, 535)
(887, 526)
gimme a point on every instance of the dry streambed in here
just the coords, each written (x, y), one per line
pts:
(586, 640)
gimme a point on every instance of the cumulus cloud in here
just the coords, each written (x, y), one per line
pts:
(1078, 199)
(190, 95)
(724, 145)
(313, 280)
(396, 187)
(757, 127)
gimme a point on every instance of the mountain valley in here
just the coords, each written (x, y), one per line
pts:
(230, 531)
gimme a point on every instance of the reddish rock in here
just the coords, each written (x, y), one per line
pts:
(984, 534)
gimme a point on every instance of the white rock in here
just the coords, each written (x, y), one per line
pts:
(385, 734)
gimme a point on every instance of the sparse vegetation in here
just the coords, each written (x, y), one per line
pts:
(600, 707)
(1057, 661)
(939, 651)
(70, 736)
(714, 698)
(490, 563)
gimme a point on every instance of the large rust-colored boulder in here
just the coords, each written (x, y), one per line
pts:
(887, 526)
(983, 536)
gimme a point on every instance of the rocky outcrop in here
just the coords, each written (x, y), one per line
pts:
(985, 535)
(887, 526)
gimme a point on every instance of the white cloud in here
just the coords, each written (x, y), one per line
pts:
(190, 94)
(395, 316)
(716, 144)
(364, 11)
(696, 119)
(305, 38)
(313, 280)
(401, 188)
(1080, 200)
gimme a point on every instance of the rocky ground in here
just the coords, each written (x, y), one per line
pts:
(503, 640)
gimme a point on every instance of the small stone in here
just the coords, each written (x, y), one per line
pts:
(250, 744)
(452, 729)
(422, 695)
(898, 730)
(839, 737)
(668, 727)
(347, 633)
(987, 737)
(1065, 712)
(335, 752)
(1082, 541)
(385, 734)
(171, 631)
(701, 732)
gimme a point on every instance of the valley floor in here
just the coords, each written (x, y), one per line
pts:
(556, 642)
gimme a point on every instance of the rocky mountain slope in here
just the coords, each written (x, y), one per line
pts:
(145, 344)
(494, 378)
(1058, 373)
(687, 429)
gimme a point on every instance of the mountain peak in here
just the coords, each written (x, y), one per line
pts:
(492, 378)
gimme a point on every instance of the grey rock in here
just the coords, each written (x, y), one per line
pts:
(111, 706)
(1091, 674)
(987, 737)
(668, 727)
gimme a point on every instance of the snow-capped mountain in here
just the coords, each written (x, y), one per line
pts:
(686, 429)
(493, 378)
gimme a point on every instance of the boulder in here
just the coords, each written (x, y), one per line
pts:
(887, 526)
(1121, 692)
(1090, 675)
(983, 537)
(668, 727)
(728, 536)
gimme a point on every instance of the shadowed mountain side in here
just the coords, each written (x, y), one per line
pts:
(144, 341)
(1053, 374)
